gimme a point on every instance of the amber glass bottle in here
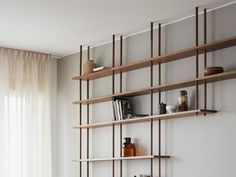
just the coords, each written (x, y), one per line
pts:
(128, 148)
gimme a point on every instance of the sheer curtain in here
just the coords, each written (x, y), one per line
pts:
(25, 130)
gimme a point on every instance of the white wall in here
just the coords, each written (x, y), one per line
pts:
(199, 146)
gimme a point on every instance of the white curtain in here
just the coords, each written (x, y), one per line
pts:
(25, 130)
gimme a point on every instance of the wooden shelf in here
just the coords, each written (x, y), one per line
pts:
(148, 118)
(216, 45)
(121, 158)
(164, 87)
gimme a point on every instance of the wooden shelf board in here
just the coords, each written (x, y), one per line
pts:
(148, 118)
(164, 87)
(180, 54)
(121, 158)
(109, 97)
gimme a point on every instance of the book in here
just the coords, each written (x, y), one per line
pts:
(114, 110)
(140, 115)
(99, 68)
(118, 110)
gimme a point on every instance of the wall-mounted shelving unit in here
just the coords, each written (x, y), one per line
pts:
(161, 87)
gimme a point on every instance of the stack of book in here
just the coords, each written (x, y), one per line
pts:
(122, 108)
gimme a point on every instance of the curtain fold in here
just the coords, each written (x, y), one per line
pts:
(25, 124)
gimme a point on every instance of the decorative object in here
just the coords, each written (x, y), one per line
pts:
(88, 66)
(213, 70)
(161, 109)
(100, 68)
(129, 149)
(171, 109)
(183, 100)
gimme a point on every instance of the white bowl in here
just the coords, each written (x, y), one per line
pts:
(171, 109)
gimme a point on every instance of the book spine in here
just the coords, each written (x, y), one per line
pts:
(114, 110)
(118, 110)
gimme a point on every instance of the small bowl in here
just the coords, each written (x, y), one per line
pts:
(171, 109)
(213, 70)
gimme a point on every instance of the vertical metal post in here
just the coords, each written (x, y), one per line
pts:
(151, 40)
(113, 91)
(113, 63)
(121, 79)
(121, 58)
(80, 111)
(151, 98)
(159, 82)
(205, 57)
(159, 54)
(151, 69)
(88, 55)
(88, 118)
(197, 52)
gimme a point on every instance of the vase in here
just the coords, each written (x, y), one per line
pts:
(88, 66)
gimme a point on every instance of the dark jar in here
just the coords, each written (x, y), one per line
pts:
(128, 148)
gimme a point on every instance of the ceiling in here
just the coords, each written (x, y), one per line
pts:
(58, 27)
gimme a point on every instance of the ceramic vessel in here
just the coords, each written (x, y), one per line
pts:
(213, 70)
(171, 109)
(183, 100)
(161, 109)
(88, 66)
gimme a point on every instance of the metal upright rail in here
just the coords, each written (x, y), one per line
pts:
(88, 55)
(205, 57)
(197, 56)
(113, 91)
(159, 101)
(80, 110)
(151, 100)
(121, 88)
